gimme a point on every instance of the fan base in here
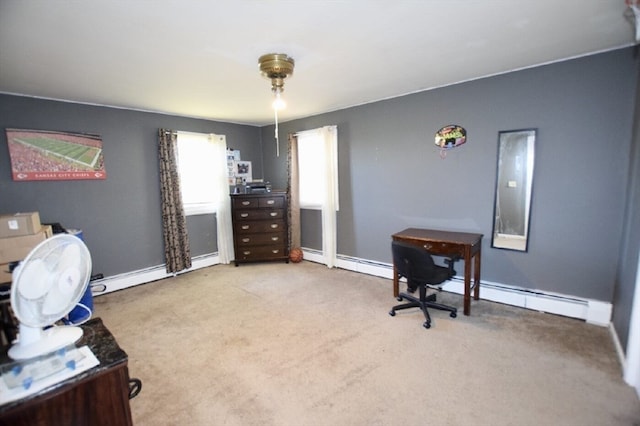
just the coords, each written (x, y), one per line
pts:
(51, 340)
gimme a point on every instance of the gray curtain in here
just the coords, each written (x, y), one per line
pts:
(294, 192)
(177, 251)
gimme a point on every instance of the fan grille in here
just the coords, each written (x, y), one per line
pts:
(51, 280)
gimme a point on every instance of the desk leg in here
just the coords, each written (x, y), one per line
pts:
(467, 285)
(396, 286)
(476, 276)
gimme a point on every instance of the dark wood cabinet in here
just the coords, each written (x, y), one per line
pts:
(96, 397)
(260, 227)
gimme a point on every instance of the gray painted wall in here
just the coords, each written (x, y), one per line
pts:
(120, 216)
(391, 176)
(630, 244)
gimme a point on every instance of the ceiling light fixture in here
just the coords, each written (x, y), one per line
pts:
(277, 67)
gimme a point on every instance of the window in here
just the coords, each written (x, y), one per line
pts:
(317, 168)
(197, 165)
(310, 154)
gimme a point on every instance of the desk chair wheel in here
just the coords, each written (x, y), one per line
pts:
(392, 313)
(427, 325)
(399, 298)
(453, 315)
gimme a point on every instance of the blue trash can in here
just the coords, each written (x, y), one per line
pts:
(84, 309)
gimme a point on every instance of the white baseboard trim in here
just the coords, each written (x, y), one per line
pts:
(619, 350)
(592, 311)
(142, 276)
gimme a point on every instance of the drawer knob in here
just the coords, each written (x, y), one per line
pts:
(274, 238)
(246, 240)
(244, 214)
(274, 225)
(276, 251)
(273, 214)
(246, 253)
(246, 203)
(428, 246)
(245, 226)
(271, 201)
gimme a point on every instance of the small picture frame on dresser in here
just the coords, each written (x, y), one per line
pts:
(243, 170)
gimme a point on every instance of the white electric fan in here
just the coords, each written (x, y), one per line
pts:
(46, 286)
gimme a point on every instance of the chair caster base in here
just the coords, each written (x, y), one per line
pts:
(392, 313)
(453, 315)
(427, 325)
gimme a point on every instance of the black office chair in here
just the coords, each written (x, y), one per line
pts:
(416, 264)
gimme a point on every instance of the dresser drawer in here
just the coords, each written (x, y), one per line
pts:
(245, 203)
(275, 202)
(243, 215)
(271, 202)
(260, 252)
(259, 226)
(266, 238)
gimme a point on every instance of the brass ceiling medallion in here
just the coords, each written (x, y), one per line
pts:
(276, 67)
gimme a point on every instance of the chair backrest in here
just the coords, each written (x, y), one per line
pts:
(413, 262)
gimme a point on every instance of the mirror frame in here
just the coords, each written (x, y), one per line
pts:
(510, 177)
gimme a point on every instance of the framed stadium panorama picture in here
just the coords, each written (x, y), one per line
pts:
(50, 155)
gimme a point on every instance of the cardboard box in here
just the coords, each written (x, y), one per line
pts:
(19, 224)
(17, 248)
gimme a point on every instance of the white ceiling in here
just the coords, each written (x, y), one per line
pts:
(199, 58)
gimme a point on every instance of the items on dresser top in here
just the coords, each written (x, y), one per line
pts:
(260, 227)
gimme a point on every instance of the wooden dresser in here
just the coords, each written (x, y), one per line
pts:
(260, 228)
(96, 397)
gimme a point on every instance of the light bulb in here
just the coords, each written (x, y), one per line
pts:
(278, 103)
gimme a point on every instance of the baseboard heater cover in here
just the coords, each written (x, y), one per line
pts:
(592, 311)
(147, 275)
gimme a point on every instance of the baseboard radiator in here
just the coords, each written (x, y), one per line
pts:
(147, 275)
(592, 311)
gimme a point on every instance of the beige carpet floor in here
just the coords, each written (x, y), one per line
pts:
(301, 344)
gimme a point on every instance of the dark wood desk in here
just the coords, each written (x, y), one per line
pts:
(445, 243)
(96, 397)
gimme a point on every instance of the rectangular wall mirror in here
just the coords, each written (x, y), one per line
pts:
(514, 182)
